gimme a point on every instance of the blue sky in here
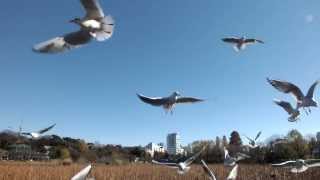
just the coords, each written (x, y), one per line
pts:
(158, 47)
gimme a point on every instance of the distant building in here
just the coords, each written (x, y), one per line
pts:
(174, 144)
(318, 136)
(151, 148)
(4, 155)
(23, 152)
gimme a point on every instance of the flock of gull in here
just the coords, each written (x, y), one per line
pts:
(96, 25)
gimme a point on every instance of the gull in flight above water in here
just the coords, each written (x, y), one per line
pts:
(299, 165)
(294, 113)
(232, 175)
(83, 174)
(183, 167)
(232, 161)
(94, 25)
(168, 103)
(241, 43)
(303, 101)
(252, 142)
(37, 135)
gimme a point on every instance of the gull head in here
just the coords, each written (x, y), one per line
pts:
(182, 166)
(76, 21)
(177, 94)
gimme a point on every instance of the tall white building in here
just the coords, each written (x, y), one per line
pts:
(174, 144)
(151, 148)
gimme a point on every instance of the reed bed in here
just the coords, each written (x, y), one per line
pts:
(55, 171)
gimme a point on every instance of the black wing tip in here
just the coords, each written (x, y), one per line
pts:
(140, 96)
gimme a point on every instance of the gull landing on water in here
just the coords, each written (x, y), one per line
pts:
(232, 175)
(294, 113)
(299, 165)
(241, 43)
(37, 135)
(302, 100)
(183, 167)
(83, 174)
(94, 25)
(168, 103)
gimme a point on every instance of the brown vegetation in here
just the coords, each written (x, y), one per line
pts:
(54, 171)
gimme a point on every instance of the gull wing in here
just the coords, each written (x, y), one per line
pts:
(233, 40)
(285, 164)
(258, 135)
(93, 9)
(252, 41)
(82, 175)
(287, 87)
(285, 105)
(311, 90)
(226, 153)
(188, 100)
(25, 133)
(63, 43)
(241, 156)
(46, 129)
(233, 173)
(207, 170)
(194, 157)
(314, 165)
(251, 140)
(107, 29)
(312, 161)
(154, 101)
(174, 165)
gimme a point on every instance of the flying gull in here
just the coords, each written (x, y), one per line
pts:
(83, 174)
(252, 142)
(302, 100)
(183, 167)
(294, 113)
(232, 175)
(299, 165)
(232, 161)
(94, 25)
(241, 43)
(168, 103)
(36, 135)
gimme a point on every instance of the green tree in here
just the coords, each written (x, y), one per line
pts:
(64, 153)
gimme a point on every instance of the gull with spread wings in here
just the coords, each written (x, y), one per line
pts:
(252, 142)
(168, 103)
(183, 167)
(94, 25)
(303, 101)
(294, 113)
(36, 135)
(241, 43)
(299, 165)
(232, 175)
(232, 161)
